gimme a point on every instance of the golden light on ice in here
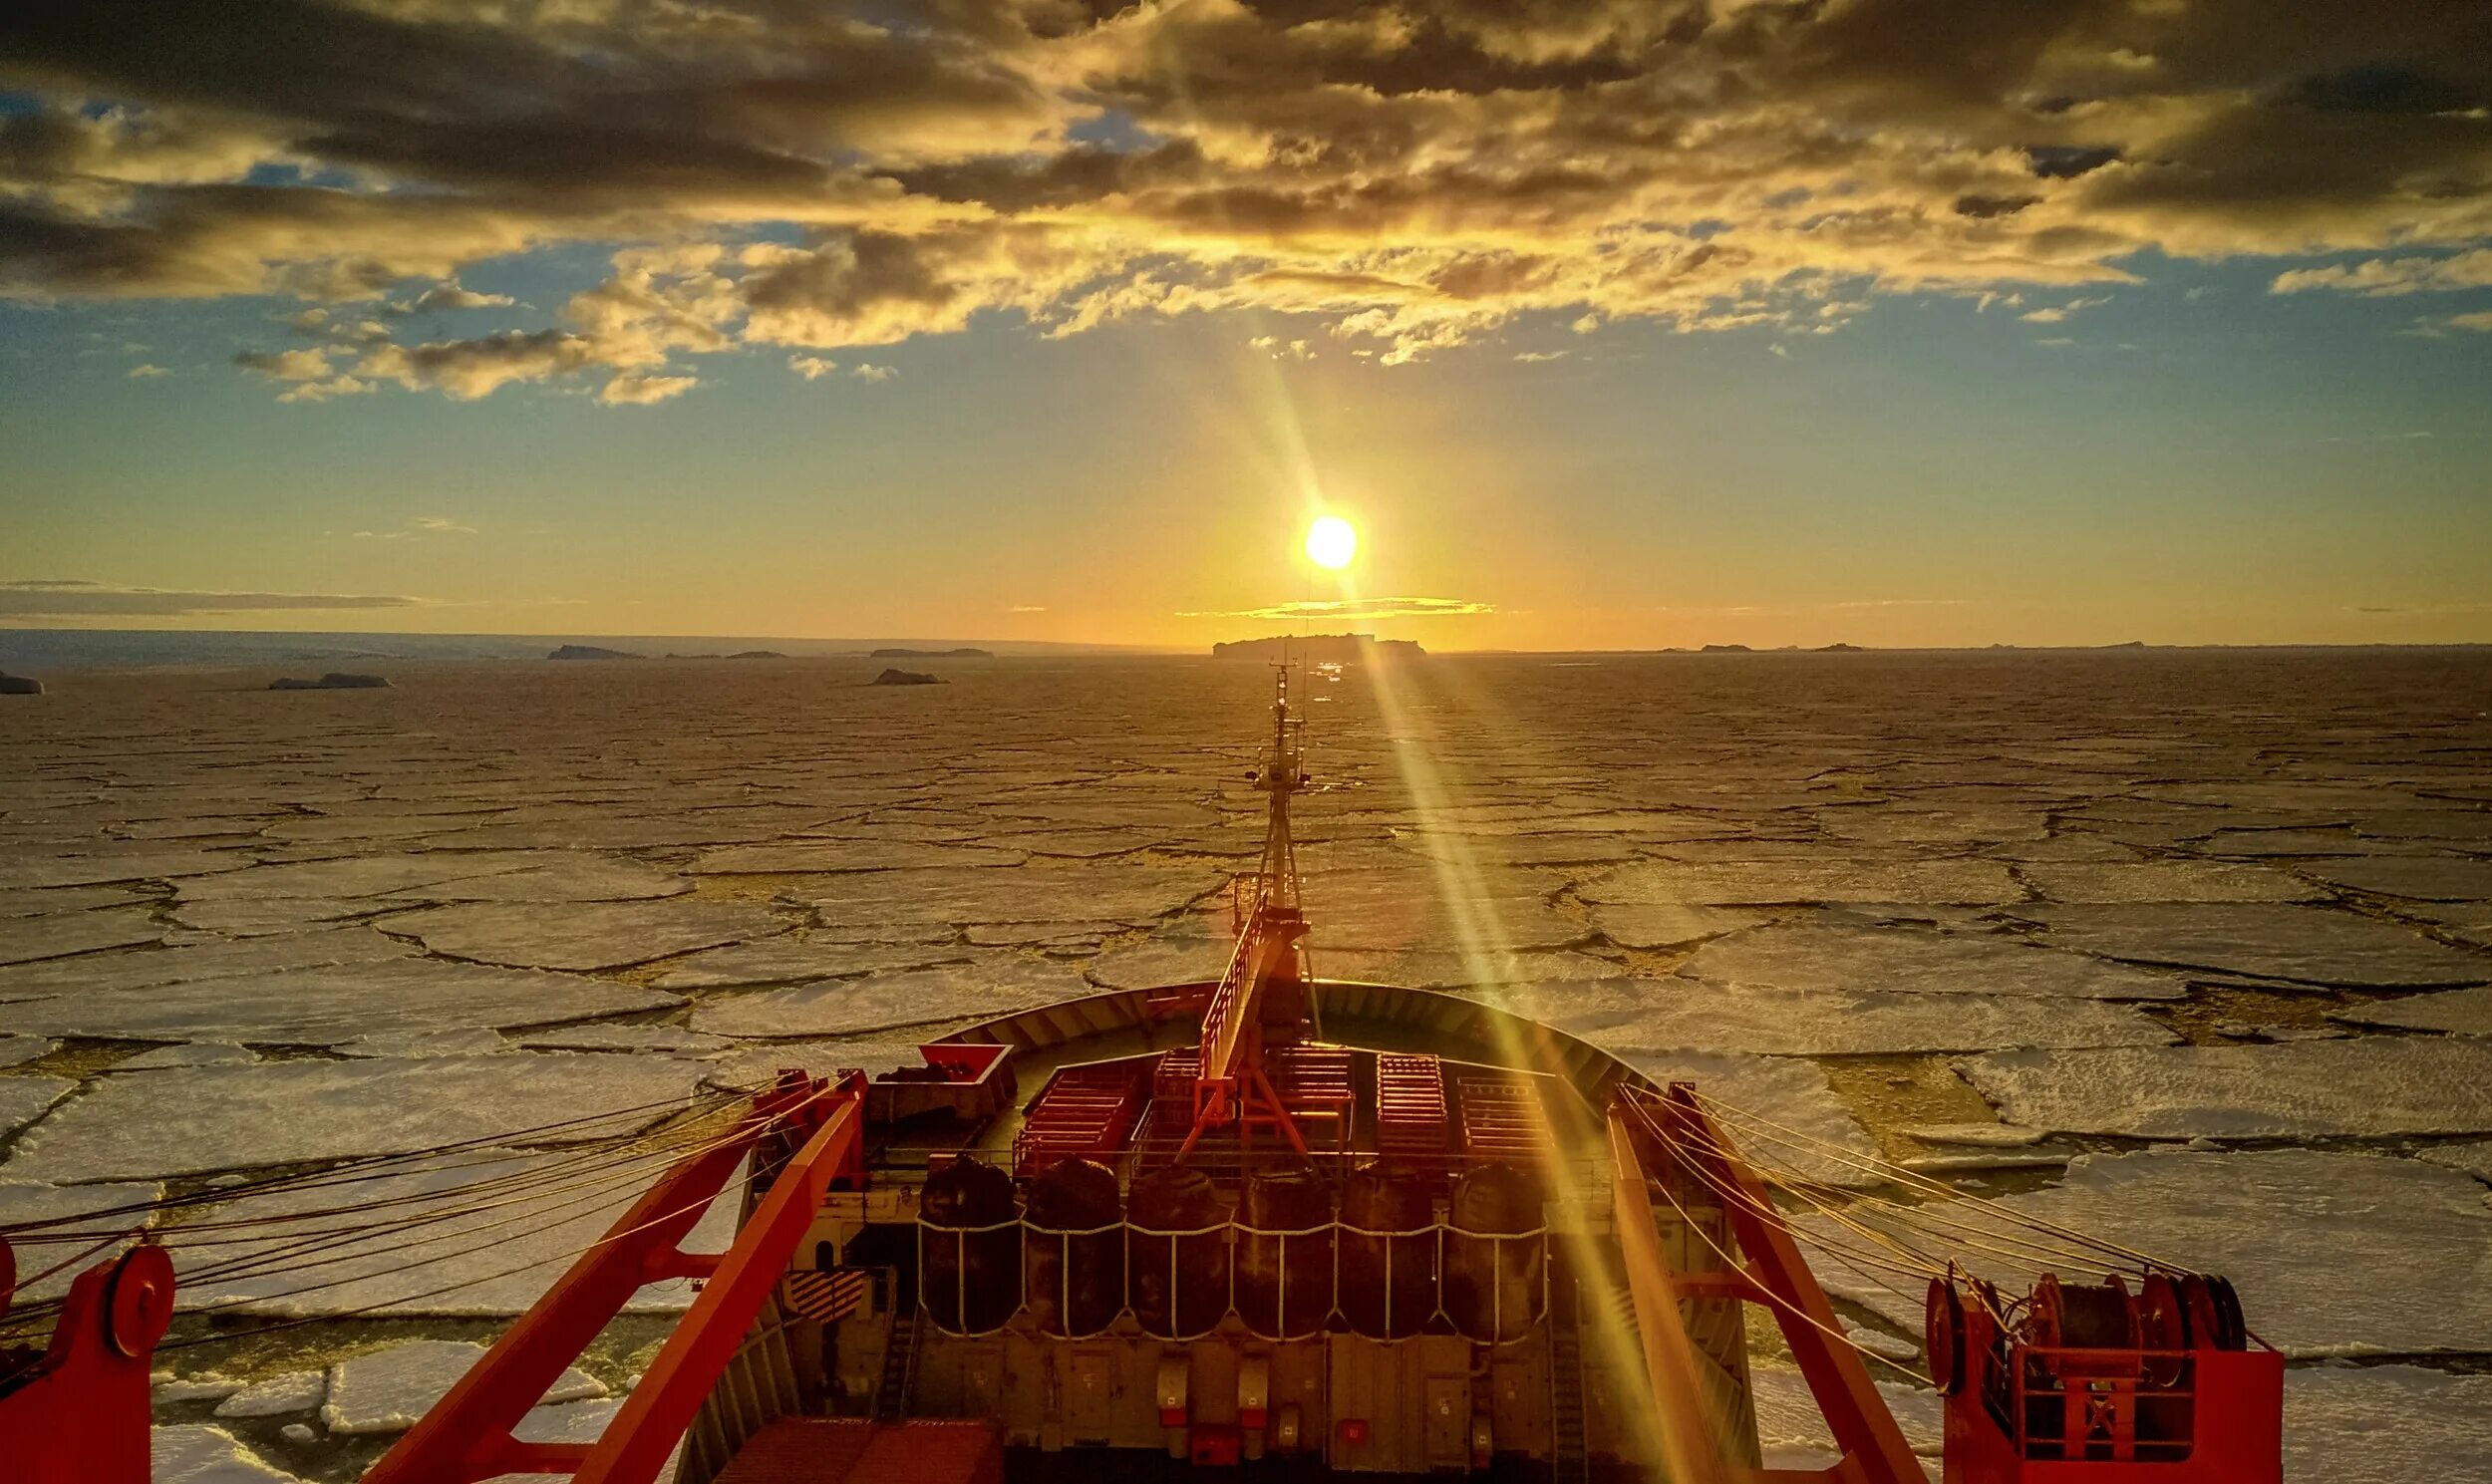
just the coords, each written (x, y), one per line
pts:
(1332, 542)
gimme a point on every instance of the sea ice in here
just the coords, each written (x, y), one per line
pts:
(798, 956)
(44, 901)
(388, 1390)
(105, 867)
(23, 1099)
(2277, 1222)
(1667, 924)
(1433, 969)
(17, 1050)
(2386, 1424)
(2310, 945)
(632, 1038)
(1161, 958)
(1690, 1014)
(327, 1007)
(294, 1392)
(256, 917)
(209, 1455)
(25, 939)
(1409, 909)
(1816, 956)
(190, 962)
(1788, 1416)
(447, 1242)
(569, 1422)
(1975, 1136)
(2434, 878)
(570, 877)
(145, 1124)
(759, 1066)
(1115, 890)
(2459, 1011)
(354, 875)
(23, 1203)
(2164, 881)
(586, 935)
(2474, 1156)
(828, 856)
(887, 1001)
(189, 1053)
(2375, 1086)
(1738, 883)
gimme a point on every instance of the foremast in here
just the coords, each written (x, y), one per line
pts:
(1262, 995)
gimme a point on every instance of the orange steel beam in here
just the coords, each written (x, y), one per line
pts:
(466, 1435)
(1856, 1413)
(1689, 1453)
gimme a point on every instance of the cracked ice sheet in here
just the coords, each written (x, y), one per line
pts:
(355, 876)
(586, 935)
(388, 1390)
(1437, 969)
(1118, 891)
(40, 902)
(26, 940)
(544, 1211)
(828, 856)
(1818, 1137)
(23, 1099)
(1788, 1414)
(23, 1202)
(332, 1005)
(2434, 878)
(2386, 1424)
(102, 867)
(198, 1120)
(2377, 1087)
(2165, 881)
(2456, 1011)
(1667, 1013)
(198, 1454)
(191, 962)
(2310, 945)
(17, 1050)
(1738, 883)
(1409, 909)
(798, 956)
(887, 1001)
(2277, 1222)
(1823, 957)
(584, 878)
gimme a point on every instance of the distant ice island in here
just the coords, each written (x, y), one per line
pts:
(1320, 649)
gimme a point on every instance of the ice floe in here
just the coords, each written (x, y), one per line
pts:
(59, 934)
(1690, 1014)
(1105, 891)
(192, 1454)
(797, 955)
(63, 1209)
(294, 1392)
(2386, 1424)
(826, 856)
(23, 1099)
(586, 935)
(890, 1001)
(388, 1390)
(2279, 1222)
(2164, 881)
(1667, 924)
(2310, 945)
(2460, 1011)
(328, 1006)
(17, 1050)
(202, 1120)
(1788, 1416)
(2432, 878)
(2302, 1089)
(1813, 956)
(445, 1243)
(193, 962)
(1757, 883)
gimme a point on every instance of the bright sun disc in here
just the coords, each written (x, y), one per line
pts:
(1331, 542)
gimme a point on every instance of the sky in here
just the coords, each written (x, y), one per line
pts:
(1608, 323)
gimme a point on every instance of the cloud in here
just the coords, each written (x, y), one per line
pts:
(1027, 608)
(1406, 178)
(812, 368)
(1359, 609)
(2481, 320)
(2052, 314)
(59, 598)
(871, 372)
(146, 371)
(419, 527)
(1536, 358)
(448, 296)
(639, 389)
(2385, 278)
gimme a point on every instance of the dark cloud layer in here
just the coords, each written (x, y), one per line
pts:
(75, 598)
(1413, 175)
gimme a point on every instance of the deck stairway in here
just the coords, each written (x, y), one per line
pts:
(899, 1368)
(1569, 1460)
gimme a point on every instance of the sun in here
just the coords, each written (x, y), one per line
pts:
(1332, 542)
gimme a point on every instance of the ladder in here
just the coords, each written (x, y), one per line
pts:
(899, 1368)
(1568, 1461)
